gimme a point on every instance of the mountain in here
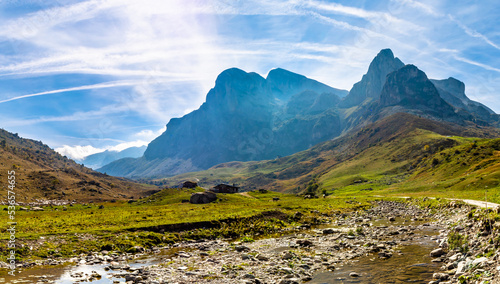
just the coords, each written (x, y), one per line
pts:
(249, 118)
(285, 84)
(43, 174)
(410, 89)
(245, 117)
(380, 152)
(373, 81)
(98, 160)
(453, 92)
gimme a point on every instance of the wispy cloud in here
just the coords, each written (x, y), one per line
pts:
(418, 5)
(374, 17)
(472, 62)
(80, 88)
(78, 116)
(38, 22)
(474, 33)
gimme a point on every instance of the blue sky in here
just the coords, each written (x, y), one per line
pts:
(84, 76)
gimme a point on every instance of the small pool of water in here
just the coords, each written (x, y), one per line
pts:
(412, 265)
(62, 274)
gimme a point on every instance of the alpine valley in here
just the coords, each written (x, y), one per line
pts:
(334, 185)
(286, 131)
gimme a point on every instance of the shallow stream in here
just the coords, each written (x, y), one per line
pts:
(411, 264)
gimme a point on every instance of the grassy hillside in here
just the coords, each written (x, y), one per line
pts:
(371, 158)
(41, 173)
(469, 170)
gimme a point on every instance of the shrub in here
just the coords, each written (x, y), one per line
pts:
(458, 241)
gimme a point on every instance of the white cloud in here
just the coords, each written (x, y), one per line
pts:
(78, 116)
(125, 145)
(388, 20)
(418, 5)
(149, 134)
(78, 152)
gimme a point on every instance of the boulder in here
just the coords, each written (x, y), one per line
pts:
(304, 243)
(479, 262)
(354, 274)
(440, 276)
(203, 197)
(190, 184)
(437, 252)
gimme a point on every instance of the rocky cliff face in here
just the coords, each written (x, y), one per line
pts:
(248, 117)
(245, 117)
(410, 88)
(286, 84)
(372, 82)
(238, 107)
(453, 92)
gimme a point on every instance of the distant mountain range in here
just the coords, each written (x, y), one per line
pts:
(247, 117)
(390, 150)
(98, 160)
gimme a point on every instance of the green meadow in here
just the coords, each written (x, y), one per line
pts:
(121, 226)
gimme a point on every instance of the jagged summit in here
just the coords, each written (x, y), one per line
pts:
(409, 87)
(247, 117)
(453, 92)
(285, 84)
(371, 84)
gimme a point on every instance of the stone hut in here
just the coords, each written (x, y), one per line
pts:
(225, 188)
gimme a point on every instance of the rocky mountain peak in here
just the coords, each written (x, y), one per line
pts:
(235, 86)
(410, 88)
(286, 84)
(453, 86)
(372, 82)
(282, 75)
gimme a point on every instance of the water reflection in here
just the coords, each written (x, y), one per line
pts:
(412, 265)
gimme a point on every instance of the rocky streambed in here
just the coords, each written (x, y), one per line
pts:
(390, 243)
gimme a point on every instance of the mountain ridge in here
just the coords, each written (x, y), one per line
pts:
(44, 174)
(383, 141)
(98, 160)
(248, 117)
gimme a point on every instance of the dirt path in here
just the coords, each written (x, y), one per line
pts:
(477, 203)
(246, 194)
(481, 204)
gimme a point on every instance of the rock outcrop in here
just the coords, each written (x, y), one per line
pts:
(203, 197)
(373, 81)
